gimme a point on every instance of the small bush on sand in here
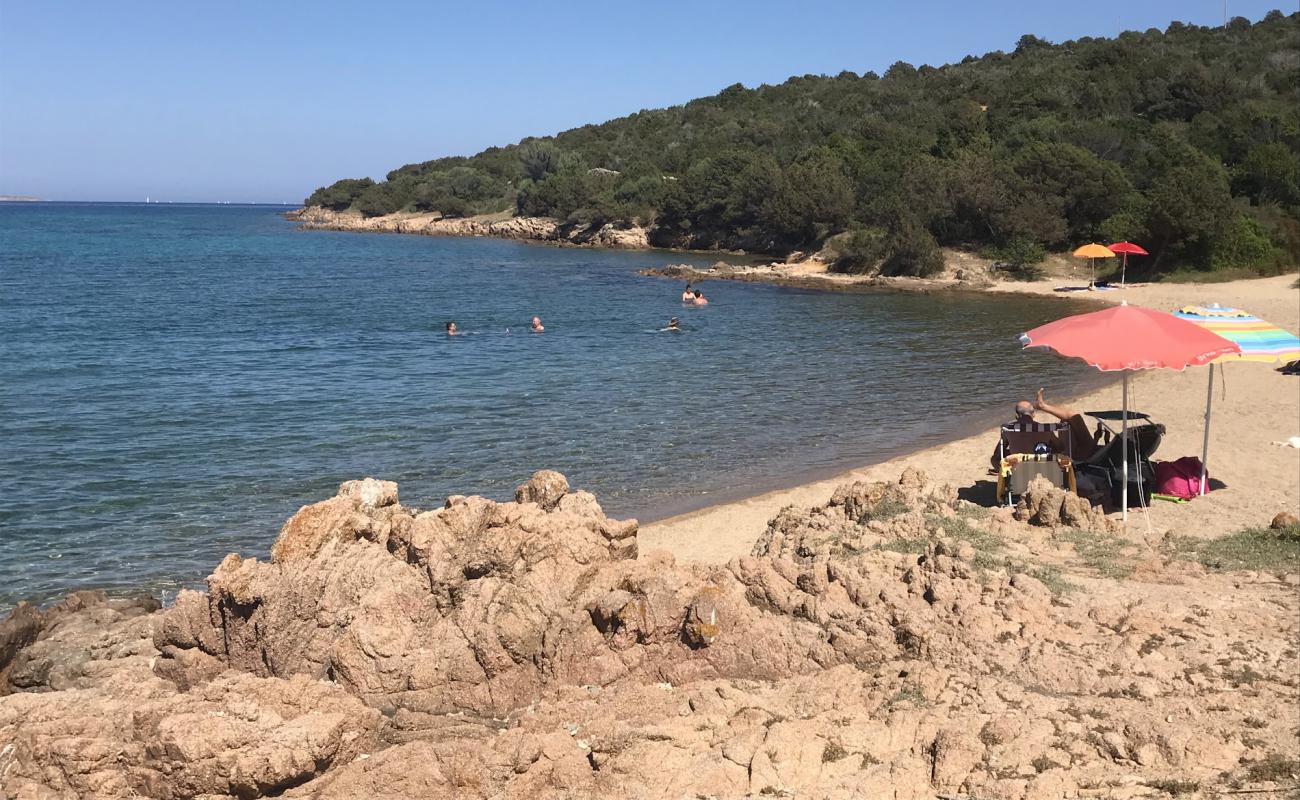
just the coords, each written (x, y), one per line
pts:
(1174, 788)
(858, 252)
(833, 752)
(887, 508)
(912, 251)
(1273, 767)
(1250, 549)
(1018, 259)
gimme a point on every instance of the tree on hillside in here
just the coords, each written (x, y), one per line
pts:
(539, 159)
(340, 194)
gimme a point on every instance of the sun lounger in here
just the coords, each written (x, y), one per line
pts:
(1104, 468)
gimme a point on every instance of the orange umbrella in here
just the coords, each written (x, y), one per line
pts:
(1091, 251)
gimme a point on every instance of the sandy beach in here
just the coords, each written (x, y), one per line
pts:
(1254, 405)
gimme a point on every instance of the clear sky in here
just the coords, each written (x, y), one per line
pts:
(265, 101)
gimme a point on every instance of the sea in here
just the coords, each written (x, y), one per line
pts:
(177, 380)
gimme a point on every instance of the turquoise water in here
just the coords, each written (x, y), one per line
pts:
(175, 381)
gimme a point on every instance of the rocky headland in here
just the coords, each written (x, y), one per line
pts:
(962, 270)
(893, 642)
(500, 226)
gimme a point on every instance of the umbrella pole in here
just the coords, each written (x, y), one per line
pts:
(1124, 449)
(1123, 271)
(1205, 445)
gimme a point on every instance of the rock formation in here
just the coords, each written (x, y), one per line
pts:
(869, 647)
(1050, 506)
(540, 229)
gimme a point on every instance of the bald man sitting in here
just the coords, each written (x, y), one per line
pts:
(1082, 443)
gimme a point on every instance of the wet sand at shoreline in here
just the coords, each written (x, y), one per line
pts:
(1254, 405)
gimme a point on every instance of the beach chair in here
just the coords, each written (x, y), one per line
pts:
(1027, 450)
(1104, 469)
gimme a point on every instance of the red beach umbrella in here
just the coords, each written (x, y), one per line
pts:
(1125, 249)
(1126, 338)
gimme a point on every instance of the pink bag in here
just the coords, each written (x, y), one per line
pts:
(1181, 478)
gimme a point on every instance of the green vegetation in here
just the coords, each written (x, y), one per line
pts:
(1052, 577)
(908, 694)
(885, 509)
(990, 555)
(833, 751)
(1175, 787)
(1101, 552)
(1186, 140)
(1273, 767)
(1019, 257)
(1251, 549)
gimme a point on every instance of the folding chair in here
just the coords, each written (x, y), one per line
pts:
(1027, 450)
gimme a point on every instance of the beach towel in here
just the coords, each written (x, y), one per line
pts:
(1181, 478)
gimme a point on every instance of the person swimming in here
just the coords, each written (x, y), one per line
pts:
(673, 325)
(451, 329)
(687, 296)
(536, 325)
(698, 299)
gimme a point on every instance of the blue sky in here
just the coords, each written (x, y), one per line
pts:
(246, 101)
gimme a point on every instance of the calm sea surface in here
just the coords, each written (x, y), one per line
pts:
(175, 381)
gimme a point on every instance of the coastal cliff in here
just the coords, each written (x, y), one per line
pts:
(895, 641)
(501, 226)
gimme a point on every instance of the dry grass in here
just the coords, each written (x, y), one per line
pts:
(1101, 552)
(1249, 549)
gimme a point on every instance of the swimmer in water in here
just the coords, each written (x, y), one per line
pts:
(673, 325)
(536, 325)
(687, 297)
(699, 300)
(451, 329)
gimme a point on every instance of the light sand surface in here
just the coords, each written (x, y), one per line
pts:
(1253, 406)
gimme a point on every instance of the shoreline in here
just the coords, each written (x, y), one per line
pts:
(966, 273)
(976, 426)
(699, 515)
(1260, 481)
(963, 273)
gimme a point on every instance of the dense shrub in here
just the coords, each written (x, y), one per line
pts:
(859, 251)
(1244, 244)
(911, 251)
(340, 194)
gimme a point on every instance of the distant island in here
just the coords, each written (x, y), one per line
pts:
(19, 198)
(1184, 140)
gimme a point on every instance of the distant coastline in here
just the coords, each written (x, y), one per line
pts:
(20, 198)
(962, 272)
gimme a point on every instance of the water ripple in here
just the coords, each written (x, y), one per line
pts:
(176, 382)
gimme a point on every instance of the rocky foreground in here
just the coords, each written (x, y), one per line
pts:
(895, 642)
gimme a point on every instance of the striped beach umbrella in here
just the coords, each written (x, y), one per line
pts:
(1259, 341)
